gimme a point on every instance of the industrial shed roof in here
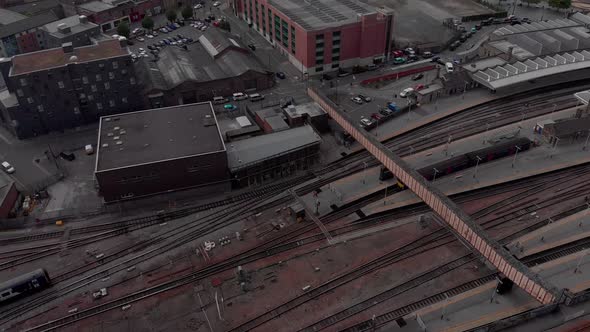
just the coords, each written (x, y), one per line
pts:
(253, 150)
(535, 26)
(522, 71)
(155, 135)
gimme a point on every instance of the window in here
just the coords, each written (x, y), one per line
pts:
(40, 108)
(98, 77)
(320, 68)
(319, 38)
(336, 35)
(319, 61)
(23, 82)
(107, 85)
(124, 99)
(111, 103)
(76, 110)
(115, 65)
(336, 42)
(85, 79)
(19, 92)
(132, 80)
(111, 75)
(335, 65)
(336, 58)
(60, 84)
(30, 100)
(93, 87)
(99, 106)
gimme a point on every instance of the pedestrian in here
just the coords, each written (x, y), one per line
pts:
(395, 95)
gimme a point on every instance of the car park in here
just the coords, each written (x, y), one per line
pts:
(239, 96)
(281, 75)
(357, 100)
(366, 99)
(7, 167)
(406, 92)
(417, 76)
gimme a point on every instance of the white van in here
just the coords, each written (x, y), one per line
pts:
(449, 67)
(219, 100)
(239, 96)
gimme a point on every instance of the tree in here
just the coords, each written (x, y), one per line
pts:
(147, 23)
(562, 4)
(225, 25)
(123, 29)
(187, 12)
(528, 2)
(171, 15)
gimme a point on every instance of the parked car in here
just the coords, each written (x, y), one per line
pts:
(252, 47)
(376, 116)
(449, 67)
(281, 75)
(399, 61)
(398, 54)
(427, 55)
(417, 76)
(385, 112)
(219, 100)
(6, 167)
(239, 96)
(357, 100)
(366, 122)
(406, 92)
(343, 73)
(229, 107)
(256, 97)
(366, 99)
(419, 87)
(140, 39)
(327, 77)
(198, 6)
(216, 4)
(372, 66)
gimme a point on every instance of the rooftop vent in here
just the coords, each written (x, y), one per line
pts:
(83, 19)
(73, 58)
(67, 47)
(64, 28)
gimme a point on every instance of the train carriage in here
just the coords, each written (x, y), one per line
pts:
(24, 285)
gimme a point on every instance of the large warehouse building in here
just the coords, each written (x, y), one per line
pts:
(323, 35)
(159, 150)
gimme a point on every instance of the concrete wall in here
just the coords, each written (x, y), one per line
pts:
(161, 177)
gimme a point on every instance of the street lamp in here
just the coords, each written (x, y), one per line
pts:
(476, 164)
(516, 154)
(435, 172)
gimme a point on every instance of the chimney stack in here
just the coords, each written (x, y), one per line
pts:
(83, 19)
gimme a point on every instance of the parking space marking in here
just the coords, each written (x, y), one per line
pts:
(42, 168)
(5, 139)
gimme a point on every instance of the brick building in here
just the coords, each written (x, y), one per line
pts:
(160, 150)
(324, 35)
(24, 35)
(67, 87)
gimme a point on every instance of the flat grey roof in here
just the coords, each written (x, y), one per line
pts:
(8, 16)
(320, 14)
(95, 6)
(522, 71)
(484, 64)
(253, 150)
(73, 22)
(311, 109)
(155, 135)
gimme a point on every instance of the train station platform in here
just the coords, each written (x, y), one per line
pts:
(346, 190)
(538, 160)
(555, 234)
(481, 306)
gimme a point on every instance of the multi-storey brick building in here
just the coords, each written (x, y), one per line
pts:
(67, 87)
(322, 35)
(110, 13)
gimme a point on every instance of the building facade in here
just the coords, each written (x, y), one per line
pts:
(25, 35)
(161, 150)
(67, 87)
(321, 36)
